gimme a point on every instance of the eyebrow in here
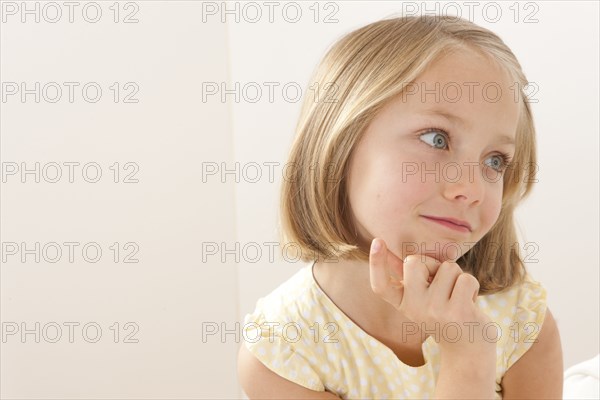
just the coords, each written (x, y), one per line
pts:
(502, 138)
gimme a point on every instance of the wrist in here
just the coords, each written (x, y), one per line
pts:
(478, 365)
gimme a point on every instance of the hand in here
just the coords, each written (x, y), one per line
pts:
(443, 305)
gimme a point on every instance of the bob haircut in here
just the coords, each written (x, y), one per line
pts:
(364, 70)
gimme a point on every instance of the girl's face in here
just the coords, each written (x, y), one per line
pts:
(421, 157)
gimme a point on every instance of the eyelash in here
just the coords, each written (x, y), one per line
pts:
(506, 159)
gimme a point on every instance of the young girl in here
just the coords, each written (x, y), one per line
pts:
(408, 165)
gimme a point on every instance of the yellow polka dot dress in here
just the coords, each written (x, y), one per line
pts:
(301, 335)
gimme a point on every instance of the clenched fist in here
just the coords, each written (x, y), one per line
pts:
(438, 296)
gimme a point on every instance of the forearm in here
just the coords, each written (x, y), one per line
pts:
(466, 379)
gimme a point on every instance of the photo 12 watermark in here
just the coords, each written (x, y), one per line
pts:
(69, 92)
(55, 12)
(453, 92)
(253, 12)
(290, 332)
(491, 12)
(266, 92)
(70, 252)
(69, 172)
(69, 332)
(265, 171)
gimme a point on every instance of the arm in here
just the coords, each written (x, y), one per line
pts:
(259, 382)
(464, 377)
(538, 374)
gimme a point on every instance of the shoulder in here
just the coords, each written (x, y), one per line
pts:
(276, 335)
(284, 300)
(520, 312)
(533, 354)
(538, 373)
(528, 316)
(258, 381)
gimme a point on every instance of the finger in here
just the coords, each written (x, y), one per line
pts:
(379, 274)
(444, 281)
(419, 270)
(466, 287)
(394, 266)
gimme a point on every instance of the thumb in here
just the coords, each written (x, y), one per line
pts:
(395, 265)
(384, 282)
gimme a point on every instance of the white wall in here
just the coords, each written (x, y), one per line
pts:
(172, 214)
(170, 292)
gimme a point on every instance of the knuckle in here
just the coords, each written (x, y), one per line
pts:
(464, 277)
(453, 267)
(410, 261)
(469, 279)
(447, 266)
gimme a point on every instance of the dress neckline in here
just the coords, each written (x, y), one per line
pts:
(361, 331)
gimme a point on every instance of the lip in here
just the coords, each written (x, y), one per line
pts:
(452, 223)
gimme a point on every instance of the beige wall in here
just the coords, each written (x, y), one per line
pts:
(170, 292)
(180, 289)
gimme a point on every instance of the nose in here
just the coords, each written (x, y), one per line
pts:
(464, 181)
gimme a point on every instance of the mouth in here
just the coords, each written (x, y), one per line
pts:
(452, 223)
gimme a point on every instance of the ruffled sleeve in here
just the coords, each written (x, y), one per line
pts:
(277, 343)
(529, 311)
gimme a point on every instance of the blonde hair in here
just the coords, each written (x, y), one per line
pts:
(357, 77)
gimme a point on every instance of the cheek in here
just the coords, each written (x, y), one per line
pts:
(384, 191)
(379, 196)
(395, 194)
(493, 206)
(422, 174)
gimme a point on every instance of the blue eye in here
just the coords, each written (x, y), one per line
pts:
(504, 162)
(441, 137)
(437, 138)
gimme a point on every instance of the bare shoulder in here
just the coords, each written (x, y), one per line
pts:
(539, 372)
(259, 382)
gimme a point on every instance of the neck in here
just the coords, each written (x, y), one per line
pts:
(347, 283)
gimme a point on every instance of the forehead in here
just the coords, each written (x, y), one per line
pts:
(468, 85)
(464, 62)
